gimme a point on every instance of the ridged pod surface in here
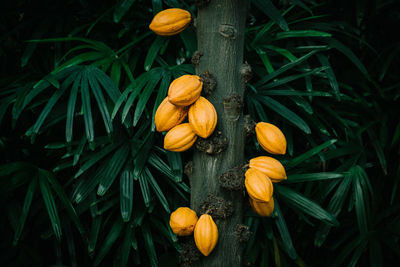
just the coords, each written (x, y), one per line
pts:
(185, 90)
(203, 117)
(205, 234)
(270, 167)
(168, 115)
(263, 209)
(271, 138)
(170, 21)
(182, 221)
(179, 138)
(258, 185)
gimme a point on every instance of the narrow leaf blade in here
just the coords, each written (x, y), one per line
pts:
(50, 203)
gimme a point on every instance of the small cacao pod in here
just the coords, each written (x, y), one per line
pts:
(179, 138)
(170, 21)
(182, 221)
(258, 185)
(205, 234)
(270, 167)
(185, 90)
(202, 117)
(263, 209)
(271, 138)
(168, 115)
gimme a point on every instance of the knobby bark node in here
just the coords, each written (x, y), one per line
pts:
(249, 125)
(189, 252)
(233, 179)
(209, 83)
(246, 72)
(196, 57)
(188, 169)
(242, 233)
(217, 207)
(213, 145)
(227, 31)
(233, 107)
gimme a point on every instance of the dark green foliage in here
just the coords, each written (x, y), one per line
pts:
(85, 181)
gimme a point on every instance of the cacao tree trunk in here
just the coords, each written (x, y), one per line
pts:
(220, 31)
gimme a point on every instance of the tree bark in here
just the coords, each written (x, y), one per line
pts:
(220, 31)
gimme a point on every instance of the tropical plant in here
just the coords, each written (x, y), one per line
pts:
(85, 180)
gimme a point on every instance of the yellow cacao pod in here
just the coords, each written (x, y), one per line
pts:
(185, 90)
(263, 209)
(170, 21)
(179, 138)
(258, 185)
(270, 167)
(182, 221)
(205, 234)
(168, 115)
(271, 138)
(202, 117)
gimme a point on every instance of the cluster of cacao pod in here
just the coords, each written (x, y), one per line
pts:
(183, 101)
(264, 170)
(183, 222)
(183, 98)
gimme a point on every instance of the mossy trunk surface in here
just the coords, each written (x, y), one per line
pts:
(220, 31)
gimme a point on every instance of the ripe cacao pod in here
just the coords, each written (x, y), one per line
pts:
(185, 90)
(168, 115)
(270, 167)
(179, 138)
(182, 221)
(271, 138)
(202, 117)
(205, 234)
(170, 21)
(263, 209)
(258, 185)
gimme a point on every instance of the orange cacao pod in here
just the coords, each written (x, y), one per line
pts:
(263, 209)
(258, 185)
(271, 138)
(183, 221)
(185, 90)
(179, 138)
(270, 167)
(170, 21)
(202, 117)
(205, 234)
(168, 115)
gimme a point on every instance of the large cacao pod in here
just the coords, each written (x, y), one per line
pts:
(263, 209)
(205, 234)
(258, 185)
(185, 90)
(182, 221)
(270, 167)
(179, 138)
(170, 21)
(202, 117)
(271, 138)
(168, 115)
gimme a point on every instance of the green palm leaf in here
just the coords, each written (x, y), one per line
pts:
(49, 202)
